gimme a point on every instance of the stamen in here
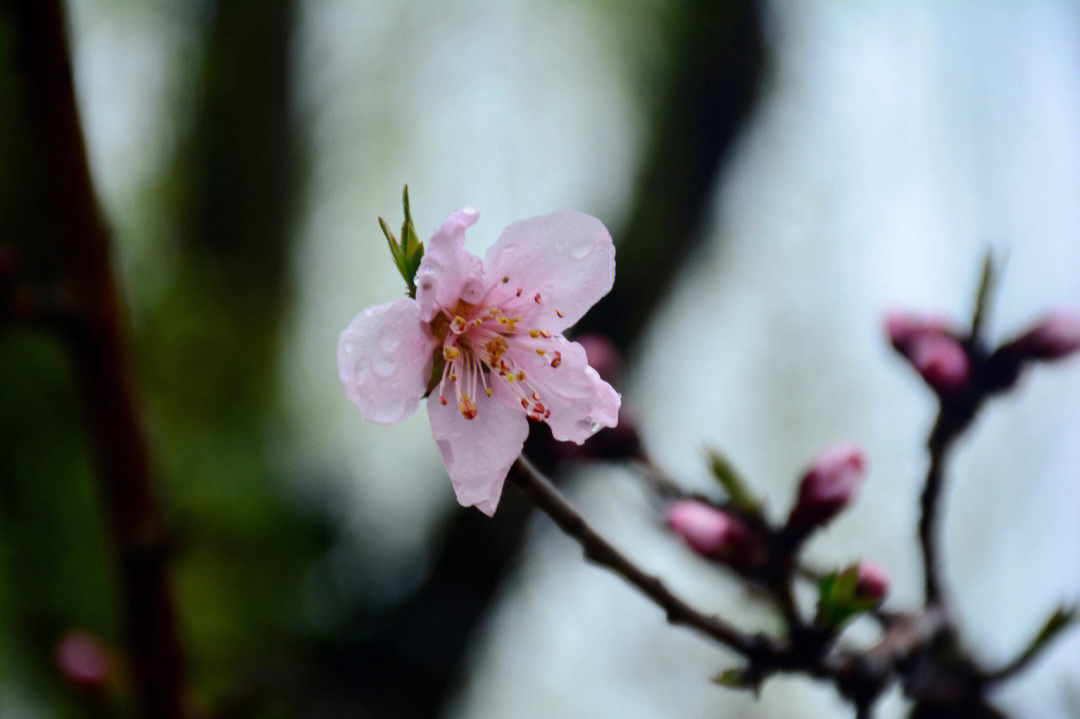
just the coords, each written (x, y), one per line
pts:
(467, 407)
(536, 298)
(459, 324)
(556, 360)
(451, 353)
(560, 313)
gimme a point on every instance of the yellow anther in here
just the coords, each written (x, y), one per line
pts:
(459, 324)
(450, 353)
(520, 376)
(534, 333)
(495, 347)
(467, 407)
(540, 352)
(488, 391)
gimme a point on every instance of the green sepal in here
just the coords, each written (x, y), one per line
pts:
(1059, 620)
(407, 253)
(733, 484)
(987, 281)
(731, 678)
(837, 600)
(437, 366)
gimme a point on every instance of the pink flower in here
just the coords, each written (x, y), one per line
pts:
(831, 483)
(484, 338)
(715, 534)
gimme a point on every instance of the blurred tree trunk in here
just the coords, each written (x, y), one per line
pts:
(235, 177)
(67, 286)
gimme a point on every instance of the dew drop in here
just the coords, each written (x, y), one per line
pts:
(389, 340)
(382, 367)
(582, 251)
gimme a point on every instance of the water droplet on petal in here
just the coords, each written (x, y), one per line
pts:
(382, 366)
(583, 250)
(389, 340)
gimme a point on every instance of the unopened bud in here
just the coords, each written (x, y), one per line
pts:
(932, 348)
(603, 355)
(1056, 336)
(942, 362)
(84, 660)
(831, 483)
(871, 582)
(904, 328)
(714, 533)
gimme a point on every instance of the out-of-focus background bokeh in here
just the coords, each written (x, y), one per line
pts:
(775, 176)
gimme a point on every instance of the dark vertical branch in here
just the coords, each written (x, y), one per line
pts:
(719, 54)
(96, 335)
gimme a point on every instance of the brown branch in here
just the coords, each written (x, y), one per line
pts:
(547, 498)
(96, 336)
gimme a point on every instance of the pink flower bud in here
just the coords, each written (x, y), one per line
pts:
(931, 346)
(871, 582)
(904, 328)
(83, 660)
(942, 362)
(831, 483)
(603, 355)
(715, 534)
(1057, 335)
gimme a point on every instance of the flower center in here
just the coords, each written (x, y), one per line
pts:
(479, 346)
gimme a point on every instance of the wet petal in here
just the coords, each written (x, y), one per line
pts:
(384, 360)
(447, 272)
(478, 452)
(580, 402)
(565, 257)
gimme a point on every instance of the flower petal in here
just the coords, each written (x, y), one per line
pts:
(447, 272)
(384, 360)
(567, 258)
(478, 452)
(580, 402)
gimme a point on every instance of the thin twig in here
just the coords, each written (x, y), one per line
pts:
(938, 445)
(547, 498)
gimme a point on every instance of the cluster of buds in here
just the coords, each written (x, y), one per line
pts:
(830, 484)
(951, 363)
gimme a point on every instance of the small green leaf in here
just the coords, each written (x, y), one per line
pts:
(407, 253)
(837, 599)
(982, 296)
(729, 479)
(731, 678)
(1059, 620)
